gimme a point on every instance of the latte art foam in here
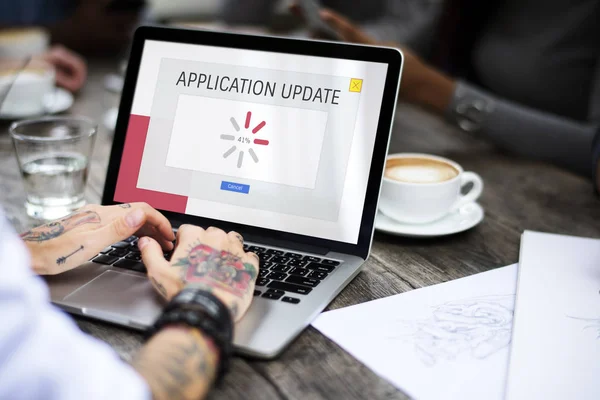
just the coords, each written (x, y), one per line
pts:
(418, 170)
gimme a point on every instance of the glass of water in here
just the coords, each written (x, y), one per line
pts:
(53, 155)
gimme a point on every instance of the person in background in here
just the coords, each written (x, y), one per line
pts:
(524, 74)
(402, 21)
(208, 284)
(70, 67)
(86, 26)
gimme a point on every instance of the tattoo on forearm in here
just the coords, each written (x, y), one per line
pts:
(57, 228)
(63, 259)
(181, 370)
(213, 268)
(125, 205)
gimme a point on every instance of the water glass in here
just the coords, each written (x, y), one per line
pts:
(53, 155)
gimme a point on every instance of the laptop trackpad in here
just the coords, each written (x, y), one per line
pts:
(118, 296)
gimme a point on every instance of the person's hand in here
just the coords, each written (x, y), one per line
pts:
(71, 70)
(209, 259)
(66, 243)
(421, 84)
(348, 31)
(93, 28)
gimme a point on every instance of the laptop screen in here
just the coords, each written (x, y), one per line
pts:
(265, 139)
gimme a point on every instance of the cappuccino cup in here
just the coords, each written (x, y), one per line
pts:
(19, 43)
(24, 88)
(421, 188)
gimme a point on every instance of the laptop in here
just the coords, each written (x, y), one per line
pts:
(281, 140)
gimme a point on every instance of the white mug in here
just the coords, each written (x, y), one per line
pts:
(19, 43)
(423, 188)
(25, 88)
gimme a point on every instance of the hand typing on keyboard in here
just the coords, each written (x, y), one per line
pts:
(66, 243)
(210, 259)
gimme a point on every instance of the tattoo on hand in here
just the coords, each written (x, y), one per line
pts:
(235, 310)
(217, 269)
(160, 287)
(57, 228)
(240, 238)
(62, 260)
(125, 205)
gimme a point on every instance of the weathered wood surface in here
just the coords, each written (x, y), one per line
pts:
(519, 194)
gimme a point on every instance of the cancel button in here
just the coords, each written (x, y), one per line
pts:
(235, 187)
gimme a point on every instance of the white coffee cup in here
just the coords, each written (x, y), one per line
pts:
(19, 43)
(27, 86)
(421, 188)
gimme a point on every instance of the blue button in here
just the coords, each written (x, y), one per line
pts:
(235, 187)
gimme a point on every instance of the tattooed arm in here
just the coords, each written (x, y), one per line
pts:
(64, 244)
(180, 362)
(210, 259)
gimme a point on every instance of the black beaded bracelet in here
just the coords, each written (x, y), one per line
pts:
(200, 309)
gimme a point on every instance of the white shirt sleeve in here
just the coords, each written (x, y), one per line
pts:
(43, 354)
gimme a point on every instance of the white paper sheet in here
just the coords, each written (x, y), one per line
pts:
(440, 342)
(556, 338)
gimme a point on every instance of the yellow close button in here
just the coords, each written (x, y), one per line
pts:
(356, 85)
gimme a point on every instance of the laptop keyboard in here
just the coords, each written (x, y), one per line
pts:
(124, 255)
(283, 276)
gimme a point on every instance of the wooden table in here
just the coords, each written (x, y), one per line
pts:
(519, 194)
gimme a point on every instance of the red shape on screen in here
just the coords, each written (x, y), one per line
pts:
(126, 190)
(248, 118)
(261, 142)
(259, 127)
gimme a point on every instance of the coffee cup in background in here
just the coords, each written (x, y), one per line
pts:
(25, 79)
(421, 188)
(23, 42)
(24, 87)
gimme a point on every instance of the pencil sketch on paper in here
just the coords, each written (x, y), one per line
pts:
(589, 323)
(475, 327)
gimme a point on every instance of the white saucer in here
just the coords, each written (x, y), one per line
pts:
(460, 220)
(110, 119)
(56, 102)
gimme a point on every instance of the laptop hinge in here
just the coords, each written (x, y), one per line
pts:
(305, 248)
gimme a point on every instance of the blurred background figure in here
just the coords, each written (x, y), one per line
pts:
(24, 49)
(86, 26)
(177, 10)
(402, 21)
(71, 69)
(523, 73)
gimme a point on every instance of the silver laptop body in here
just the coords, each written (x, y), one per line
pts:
(123, 296)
